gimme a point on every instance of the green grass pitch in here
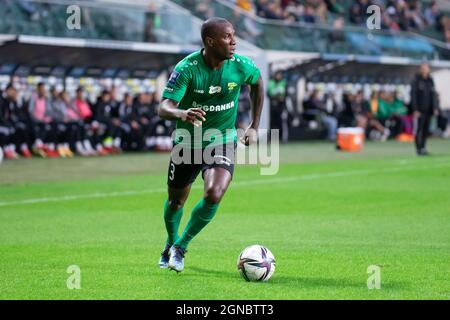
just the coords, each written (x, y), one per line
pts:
(327, 216)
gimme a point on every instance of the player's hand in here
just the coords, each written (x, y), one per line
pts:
(416, 114)
(194, 116)
(250, 136)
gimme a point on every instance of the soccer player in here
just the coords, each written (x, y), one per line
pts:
(202, 94)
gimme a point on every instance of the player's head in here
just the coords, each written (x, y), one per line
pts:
(218, 38)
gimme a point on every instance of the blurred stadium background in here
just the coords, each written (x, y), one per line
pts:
(331, 67)
(323, 69)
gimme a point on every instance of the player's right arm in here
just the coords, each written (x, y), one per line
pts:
(168, 109)
(174, 92)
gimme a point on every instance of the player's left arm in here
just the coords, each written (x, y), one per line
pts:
(257, 100)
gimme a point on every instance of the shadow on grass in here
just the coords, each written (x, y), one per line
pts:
(301, 282)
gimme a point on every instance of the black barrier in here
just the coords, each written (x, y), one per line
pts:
(225, 309)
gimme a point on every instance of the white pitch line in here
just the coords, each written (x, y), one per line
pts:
(235, 184)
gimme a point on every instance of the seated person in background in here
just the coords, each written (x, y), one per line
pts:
(403, 114)
(145, 105)
(366, 120)
(276, 91)
(314, 106)
(91, 127)
(132, 128)
(389, 112)
(347, 117)
(76, 126)
(39, 108)
(16, 117)
(110, 131)
(57, 110)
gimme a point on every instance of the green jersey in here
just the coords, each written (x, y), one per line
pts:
(195, 85)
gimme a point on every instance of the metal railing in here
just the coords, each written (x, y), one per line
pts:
(108, 20)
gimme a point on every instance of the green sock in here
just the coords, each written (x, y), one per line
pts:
(172, 219)
(202, 214)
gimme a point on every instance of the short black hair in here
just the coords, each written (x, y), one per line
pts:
(209, 27)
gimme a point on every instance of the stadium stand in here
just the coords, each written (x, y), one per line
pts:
(106, 77)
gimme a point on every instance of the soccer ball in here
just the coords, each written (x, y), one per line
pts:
(256, 263)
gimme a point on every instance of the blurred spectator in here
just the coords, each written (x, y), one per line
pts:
(336, 37)
(323, 111)
(146, 104)
(14, 117)
(310, 15)
(105, 115)
(416, 21)
(243, 114)
(402, 113)
(361, 109)
(133, 130)
(39, 108)
(59, 127)
(74, 123)
(58, 112)
(346, 117)
(246, 5)
(334, 6)
(276, 90)
(432, 13)
(82, 106)
(391, 111)
(29, 8)
(367, 121)
(151, 20)
(84, 110)
(358, 11)
(424, 105)
(205, 9)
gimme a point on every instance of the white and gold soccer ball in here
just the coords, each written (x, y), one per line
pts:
(256, 263)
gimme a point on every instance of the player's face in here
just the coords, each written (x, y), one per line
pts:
(225, 41)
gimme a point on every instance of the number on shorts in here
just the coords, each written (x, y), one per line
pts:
(172, 171)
